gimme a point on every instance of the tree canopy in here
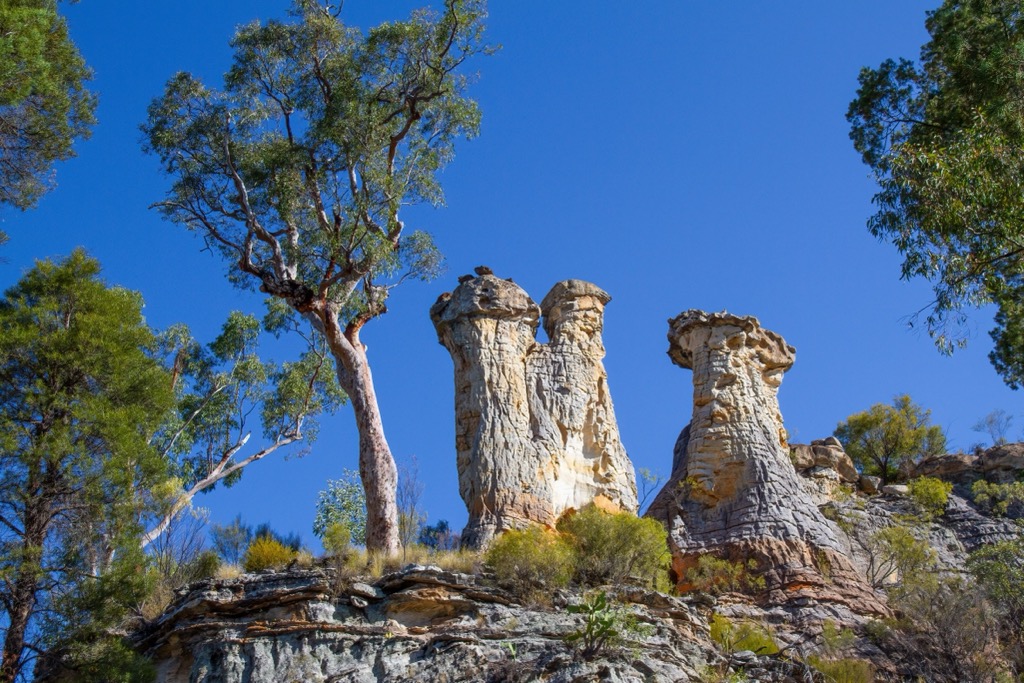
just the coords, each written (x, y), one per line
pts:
(884, 438)
(945, 138)
(44, 105)
(297, 170)
(80, 394)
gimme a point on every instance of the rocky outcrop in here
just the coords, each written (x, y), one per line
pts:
(734, 491)
(1002, 464)
(824, 467)
(535, 430)
(420, 624)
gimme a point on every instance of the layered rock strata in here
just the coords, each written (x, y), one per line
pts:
(535, 429)
(733, 491)
(419, 624)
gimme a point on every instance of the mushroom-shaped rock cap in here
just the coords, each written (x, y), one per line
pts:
(568, 296)
(771, 348)
(485, 296)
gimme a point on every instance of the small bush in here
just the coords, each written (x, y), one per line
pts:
(930, 494)
(746, 635)
(844, 670)
(616, 547)
(716, 576)
(1002, 500)
(531, 562)
(605, 625)
(267, 553)
(336, 538)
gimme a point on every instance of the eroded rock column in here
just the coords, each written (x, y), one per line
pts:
(535, 429)
(733, 491)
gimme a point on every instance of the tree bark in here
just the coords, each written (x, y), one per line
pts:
(377, 467)
(23, 595)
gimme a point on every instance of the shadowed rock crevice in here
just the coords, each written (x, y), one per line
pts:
(733, 490)
(535, 427)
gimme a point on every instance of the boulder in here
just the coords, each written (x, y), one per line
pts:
(535, 428)
(955, 467)
(1002, 464)
(734, 491)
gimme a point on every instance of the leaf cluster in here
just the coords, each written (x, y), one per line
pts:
(885, 438)
(944, 136)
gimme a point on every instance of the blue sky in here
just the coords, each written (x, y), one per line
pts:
(679, 154)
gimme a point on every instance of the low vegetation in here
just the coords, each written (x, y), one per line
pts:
(605, 625)
(267, 553)
(931, 495)
(1002, 500)
(715, 575)
(532, 562)
(734, 636)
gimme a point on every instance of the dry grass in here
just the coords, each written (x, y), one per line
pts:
(360, 563)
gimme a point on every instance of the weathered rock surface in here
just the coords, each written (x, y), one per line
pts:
(734, 491)
(1000, 464)
(535, 429)
(425, 625)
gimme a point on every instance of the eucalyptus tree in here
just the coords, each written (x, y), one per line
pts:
(44, 105)
(297, 170)
(224, 392)
(944, 136)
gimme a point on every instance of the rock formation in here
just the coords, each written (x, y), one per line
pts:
(824, 468)
(419, 624)
(535, 430)
(733, 490)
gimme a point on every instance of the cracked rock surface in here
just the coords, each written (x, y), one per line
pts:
(734, 491)
(535, 429)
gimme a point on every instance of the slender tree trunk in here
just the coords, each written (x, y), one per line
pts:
(377, 467)
(23, 596)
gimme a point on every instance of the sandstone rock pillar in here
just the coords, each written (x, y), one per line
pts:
(733, 491)
(535, 430)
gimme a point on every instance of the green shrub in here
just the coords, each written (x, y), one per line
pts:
(267, 553)
(1000, 499)
(336, 538)
(930, 494)
(205, 566)
(716, 576)
(746, 635)
(616, 547)
(844, 670)
(604, 625)
(531, 562)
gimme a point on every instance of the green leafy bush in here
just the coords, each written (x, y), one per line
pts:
(746, 635)
(1000, 499)
(930, 494)
(617, 547)
(847, 670)
(605, 625)
(267, 553)
(531, 562)
(716, 575)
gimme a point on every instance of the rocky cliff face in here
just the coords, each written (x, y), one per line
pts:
(535, 430)
(734, 491)
(420, 624)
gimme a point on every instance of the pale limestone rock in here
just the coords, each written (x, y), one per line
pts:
(734, 491)
(535, 430)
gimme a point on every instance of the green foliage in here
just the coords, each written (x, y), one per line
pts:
(44, 105)
(267, 553)
(717, 575)
(884, 438)
(612, 548)
(944, 138)
(895, 553)
(531, 562)
(1000, 499)
(336, 538)
(746, 635)
(930, 494)
(439, 536)
(231, 540)
(999, 571)
(605, 625)
(846, 670)
(344, 502)
(79, 396)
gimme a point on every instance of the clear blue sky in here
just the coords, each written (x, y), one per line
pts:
(678, 154)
